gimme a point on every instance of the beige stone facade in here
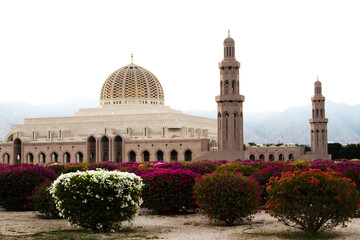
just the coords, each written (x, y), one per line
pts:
(132, 123)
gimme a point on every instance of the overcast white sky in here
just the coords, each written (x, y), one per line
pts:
(53, 51)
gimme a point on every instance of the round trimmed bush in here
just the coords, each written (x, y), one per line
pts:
(227, 197)
(43, 201)
(17, 184)
(97, 200)
(312, 200)
(168, 190)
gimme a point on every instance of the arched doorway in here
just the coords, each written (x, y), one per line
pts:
(188, 155)
(79, 157)
(262, 157)
(6, 158)
(132, 156)
(118, 149)
(104, 149)
(252, 157)
(54, 157)
(30, 158)
(146, 156)
(291, 156)
(159, 155)
(271, 158)
(42, 158)
(66, 157)
(173, 155)
(91, 149)
(281, 157)
(17, 151)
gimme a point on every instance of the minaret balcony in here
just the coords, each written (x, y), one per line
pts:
(229, 64)
(230, 98)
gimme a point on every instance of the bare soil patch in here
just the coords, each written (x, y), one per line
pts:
(23, 225)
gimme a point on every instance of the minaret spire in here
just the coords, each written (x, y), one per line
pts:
(228, 33)
(132, 58)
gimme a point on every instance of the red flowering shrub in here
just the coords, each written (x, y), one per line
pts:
(263, 177)
(349, 170)
(18, 183)
(168, 190)
(43, 202)
(312, 200)
(321, 164)
(237, 167)
(227, 197)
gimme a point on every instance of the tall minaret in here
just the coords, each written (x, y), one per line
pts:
(230, 102)
(318, 122)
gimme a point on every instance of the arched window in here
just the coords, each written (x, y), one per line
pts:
(54, 157)
(160, 155)
(233, 86)
(252, 157)
(226, 126)
(281, 157)
(173, 155)
(79, 157)
(132, 156)
(188, 155)
(91, 149)
(271, 157)
(226, 87)
(17, 151)
(291, 156)
(262, 157)
(235, 116)
(104, 149)
(118, 149)
(30, 158)
(6, 158)
(66, 157)
(146, 156)
(42, 158)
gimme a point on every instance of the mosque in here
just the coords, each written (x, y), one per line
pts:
(132, 123)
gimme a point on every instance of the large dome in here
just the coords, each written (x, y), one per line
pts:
(131, 84)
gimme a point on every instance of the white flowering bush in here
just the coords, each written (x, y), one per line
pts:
(98, 200)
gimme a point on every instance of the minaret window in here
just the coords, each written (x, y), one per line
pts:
(233, 86)
(235, 115)
(226, 126)
(226, 87)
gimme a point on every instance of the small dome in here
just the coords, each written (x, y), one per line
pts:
(132, 84)
(229, 40)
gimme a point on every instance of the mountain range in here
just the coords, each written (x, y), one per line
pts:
(289, 126)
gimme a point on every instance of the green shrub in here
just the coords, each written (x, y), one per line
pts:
(17, 184)
(312, 200)
(237, 167)
(43, 202)
(97, 200)
(168, 190)
(227, 197)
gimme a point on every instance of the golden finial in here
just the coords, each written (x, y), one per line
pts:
(132, 58)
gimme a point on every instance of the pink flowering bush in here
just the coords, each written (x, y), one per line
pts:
(43, 201)
(103, 165)
(238, 167)
(227, 197)
(213, 165)
(202, 170)
(168, 190)
(17, 184)
(312, 200)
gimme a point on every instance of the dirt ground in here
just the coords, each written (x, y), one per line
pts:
(23, 225)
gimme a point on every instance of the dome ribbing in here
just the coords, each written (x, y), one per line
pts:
(132, 84)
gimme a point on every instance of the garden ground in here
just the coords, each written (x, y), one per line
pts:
(27, 225)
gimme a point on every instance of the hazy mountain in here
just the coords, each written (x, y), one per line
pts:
(292, 125)
(289, 126)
